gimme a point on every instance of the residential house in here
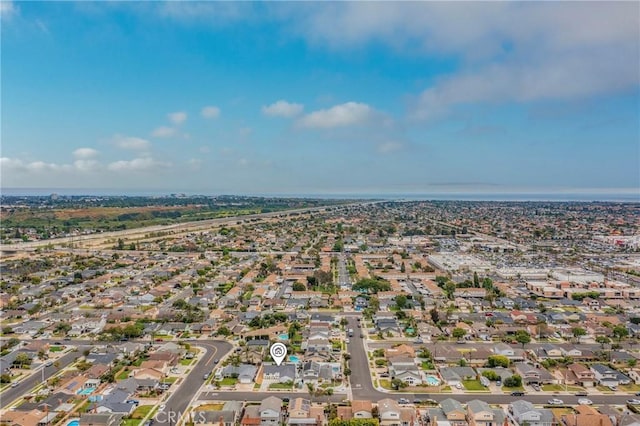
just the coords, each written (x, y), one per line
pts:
(279, 373)
(389, 412)
(362, 409)
(586, 416)
(454, 376)
(270, 411)
(532, 375)
(525, 413)
(604, 375)
(581, 375)
(245, 373)
(228, 416)
(479, 413)
(450, 411)
(405, 369)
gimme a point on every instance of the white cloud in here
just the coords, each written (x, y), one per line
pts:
(178, 117)
(18, 166)
(210, 112)
(86, 165)
(507, 51)
(85, 153)
(164, 132)
(283, 108)
(567, 78)
(390, 146)
(132, 143)
(8, 9)
(137, 165)
(347, 114)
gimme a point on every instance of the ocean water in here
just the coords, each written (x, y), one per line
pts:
(630, 196)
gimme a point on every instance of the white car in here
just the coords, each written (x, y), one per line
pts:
(555, 401)
(584, 401)
(162, 407)
(633, 401)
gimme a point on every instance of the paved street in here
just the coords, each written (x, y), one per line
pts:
(181, 397)
(25, 385)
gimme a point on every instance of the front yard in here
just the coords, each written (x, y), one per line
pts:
(473, 385)
(281, 386)
(561, 388)
(228, 381)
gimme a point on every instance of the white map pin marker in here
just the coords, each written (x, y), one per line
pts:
(278, 352)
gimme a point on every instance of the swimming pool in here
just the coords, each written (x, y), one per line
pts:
(433, 381)
(74, 422)
(284, 336)
(87, 391)
(294, 358)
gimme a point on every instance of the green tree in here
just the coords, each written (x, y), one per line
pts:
(476, 280)
(523, 337)
(223, 331)
(491, 375)
(398, 384)
(298, 286)
(620, 332)
(458, 333)
(497, 361)
(401, 301)
(514, 381)
(22, 360)
(603, 340)
(578, 332)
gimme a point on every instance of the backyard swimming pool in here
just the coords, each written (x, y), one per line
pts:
(74, 422)
(87, 391)
(284, 336)
(433, 381)
(294, 358)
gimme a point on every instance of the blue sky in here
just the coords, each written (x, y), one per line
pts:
(303, 98)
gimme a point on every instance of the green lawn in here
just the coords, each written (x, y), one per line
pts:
(385, 384)
(56, 348)
(473, 385)
(228, 381)
(426, 365)
(280, 386)
(169, 380)
(142, 411)
(123, 375)
(186, 361)
(131, 422)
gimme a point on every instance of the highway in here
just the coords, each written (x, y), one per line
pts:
(141, 233)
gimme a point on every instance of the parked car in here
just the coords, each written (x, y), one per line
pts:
(585, 401)
(555, 401)
(517, 393)
(633, 401)
(581, 394)
(403, 401)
